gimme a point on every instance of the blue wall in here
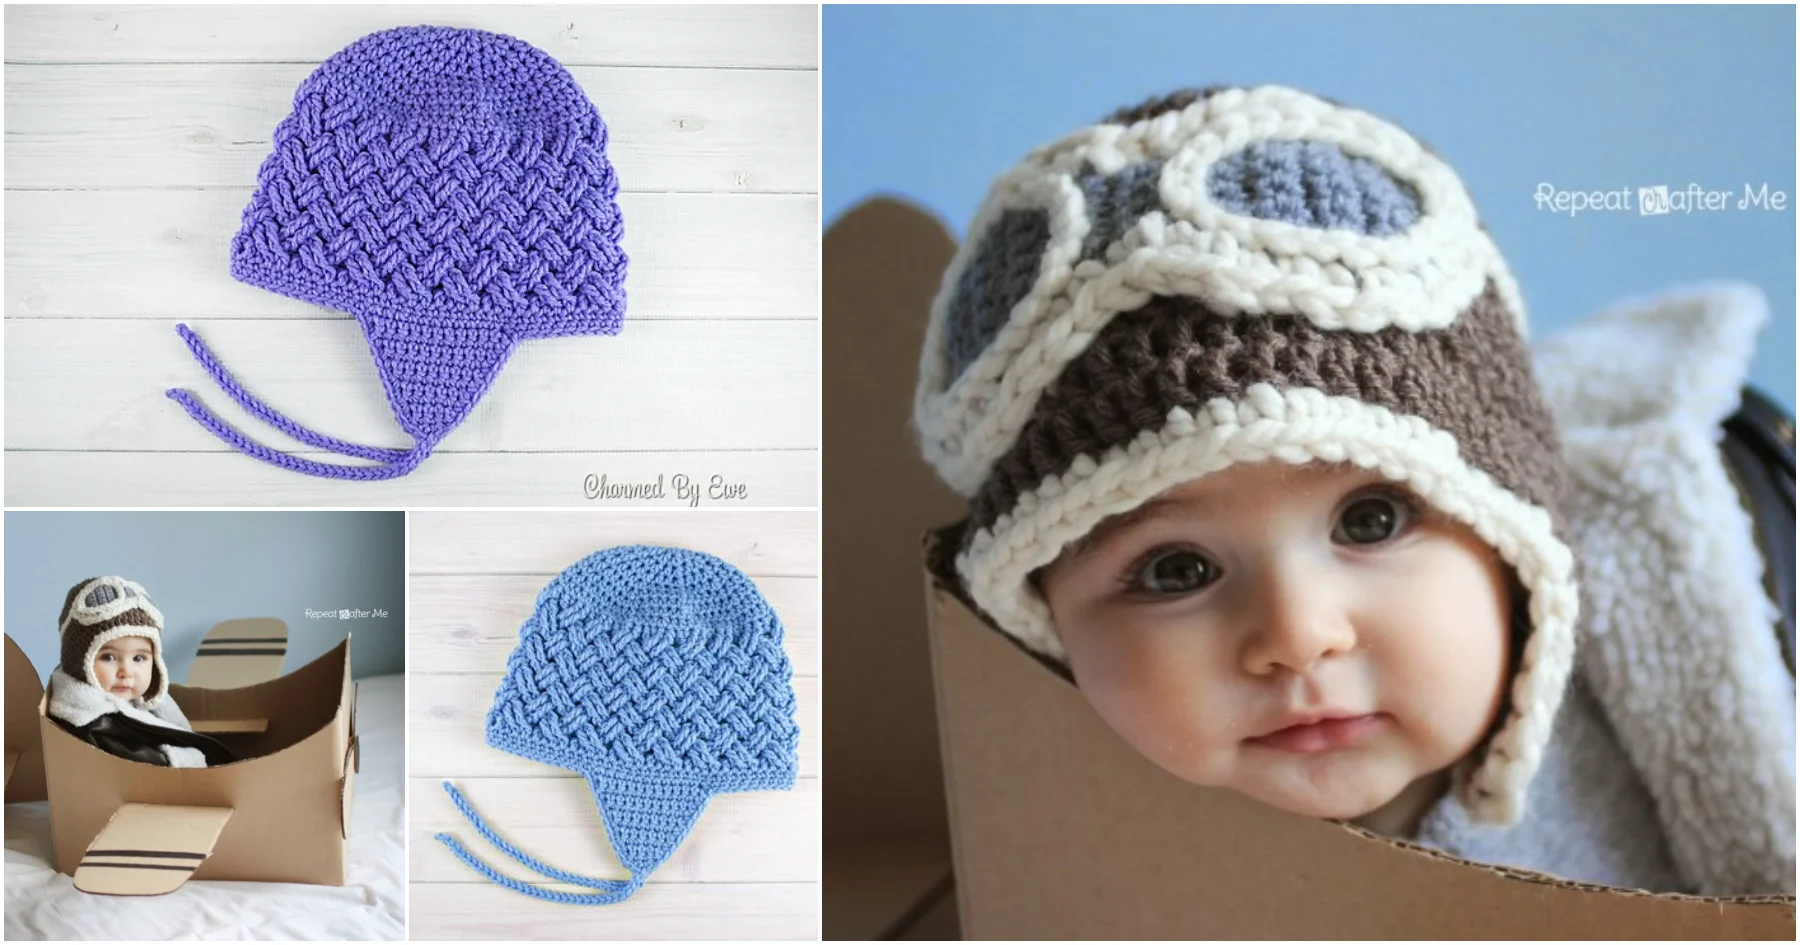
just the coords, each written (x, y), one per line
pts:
(204, 567)
(932, 103)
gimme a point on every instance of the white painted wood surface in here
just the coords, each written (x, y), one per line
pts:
(742, 37)
(749, 870)
(133, 137)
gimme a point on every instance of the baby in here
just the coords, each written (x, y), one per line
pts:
(111, 689)
(1237, 387)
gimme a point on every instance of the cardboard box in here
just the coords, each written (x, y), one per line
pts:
(24, 750)
(886, 839)
(1061, 830)
(282, 815)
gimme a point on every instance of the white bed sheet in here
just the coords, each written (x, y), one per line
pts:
(42, 904)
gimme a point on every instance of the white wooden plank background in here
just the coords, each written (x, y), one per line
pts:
(783, 37)
(133, 136)
(749, 870)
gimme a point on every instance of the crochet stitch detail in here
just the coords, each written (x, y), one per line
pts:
(1115, 202)
(1173, 102)
(1003, 270)
(1175, 353)
(1239, 264)
(1313, 184)
(659, 675)
(450, 189)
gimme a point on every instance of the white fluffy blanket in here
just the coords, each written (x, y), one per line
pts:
(79, 702)
(1679, 672)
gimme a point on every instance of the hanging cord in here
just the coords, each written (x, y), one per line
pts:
(613, 890)
(393, 462)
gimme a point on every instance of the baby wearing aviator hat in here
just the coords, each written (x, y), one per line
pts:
(1238, 390)
(111, 688)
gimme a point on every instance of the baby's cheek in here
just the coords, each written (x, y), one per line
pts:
(1150, 686)
(1166, 715)
(1439, 721)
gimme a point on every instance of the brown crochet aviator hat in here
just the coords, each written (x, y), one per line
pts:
(1235, 276)
(100, 610)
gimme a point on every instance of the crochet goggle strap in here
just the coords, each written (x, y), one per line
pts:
(393, 462)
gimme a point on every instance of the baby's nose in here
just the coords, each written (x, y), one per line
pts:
(1299, 624)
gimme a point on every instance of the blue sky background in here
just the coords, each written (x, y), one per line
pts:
(931, 103)
(204, 567)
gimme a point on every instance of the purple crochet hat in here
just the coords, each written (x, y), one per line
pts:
(450, 189)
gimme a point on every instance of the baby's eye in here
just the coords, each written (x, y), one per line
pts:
(1174, 572)
(1372, 519)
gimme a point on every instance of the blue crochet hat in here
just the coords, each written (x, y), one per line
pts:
(657, 674)
(450, 189)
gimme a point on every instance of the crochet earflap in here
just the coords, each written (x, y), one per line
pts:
(657, 674)
(450, 189)
(100, 610)
(1233, 276)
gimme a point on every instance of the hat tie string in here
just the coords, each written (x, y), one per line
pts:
(612, 890)
(394, 462)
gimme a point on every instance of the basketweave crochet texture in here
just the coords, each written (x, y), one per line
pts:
(659, 675)
(1232, 275)
(450, 189)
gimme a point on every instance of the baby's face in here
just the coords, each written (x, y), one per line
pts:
(123, 666)
(1206, 625)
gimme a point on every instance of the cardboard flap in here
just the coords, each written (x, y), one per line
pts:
(238, 653)
(883, 262)
(354, 741)
(230, 726)
(150, 849)
(1062, 830)
(352, 764)
(24, 743)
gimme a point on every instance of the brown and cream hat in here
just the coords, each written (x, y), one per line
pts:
(100, 610)
(1240, 275)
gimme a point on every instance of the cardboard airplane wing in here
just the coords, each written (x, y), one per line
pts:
(149, 849)
(24, 748)
(235, 654)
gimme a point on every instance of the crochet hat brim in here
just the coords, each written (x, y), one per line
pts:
(407, 349)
